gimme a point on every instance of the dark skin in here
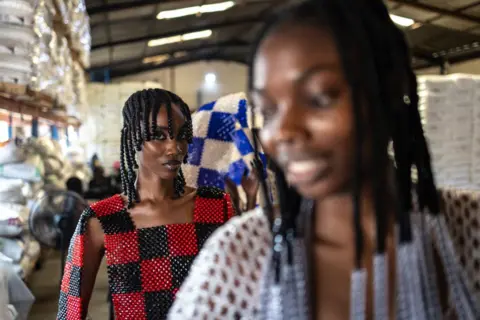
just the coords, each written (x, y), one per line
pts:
(250, 185)
(300, 88)
(159, 205)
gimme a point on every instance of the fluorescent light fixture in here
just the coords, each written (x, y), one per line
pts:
(402, 21)
(189, 11)
(197, 35)
(210, 78)
(180, 38)
(156, 59)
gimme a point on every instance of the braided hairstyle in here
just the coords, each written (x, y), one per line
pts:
(139, 125)
(377, 67)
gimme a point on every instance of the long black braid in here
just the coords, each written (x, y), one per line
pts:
(376, 62)
(140, 125)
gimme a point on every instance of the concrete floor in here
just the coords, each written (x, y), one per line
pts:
(45, 287)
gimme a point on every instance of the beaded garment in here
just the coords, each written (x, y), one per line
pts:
(233, 277)
(146, 266)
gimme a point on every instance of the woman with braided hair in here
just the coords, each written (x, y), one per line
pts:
(333, 83)
(151, 233)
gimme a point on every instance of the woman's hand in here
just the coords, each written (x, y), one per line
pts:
(250, 185)
(231, 189)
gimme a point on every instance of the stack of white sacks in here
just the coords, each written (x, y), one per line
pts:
(54, 70)
(16, 39)
(32, 53)
(448, 106)
(27, 167)
(476, 135)
(105, 103)
(20, 174)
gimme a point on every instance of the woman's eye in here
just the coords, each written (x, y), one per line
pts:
(160, 136)
(320, 101)
(182, 136)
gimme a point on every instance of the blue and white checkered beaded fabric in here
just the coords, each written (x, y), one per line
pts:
(222, 143)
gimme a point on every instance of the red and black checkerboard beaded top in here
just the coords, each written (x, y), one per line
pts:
(146, 266)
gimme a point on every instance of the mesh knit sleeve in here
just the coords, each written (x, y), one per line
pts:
(70, 305)
(225, 279)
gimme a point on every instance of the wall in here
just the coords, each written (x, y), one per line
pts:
(186, 80)
(232, 77)
(102, 124)
(470, 67)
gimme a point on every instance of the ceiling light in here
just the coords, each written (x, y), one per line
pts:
(402, 21)
(210, 78)
(180, 38)
(163, 41)
(156, 59)
(188, 11)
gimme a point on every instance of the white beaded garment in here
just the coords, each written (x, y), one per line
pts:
(232, 277)
(225, 282)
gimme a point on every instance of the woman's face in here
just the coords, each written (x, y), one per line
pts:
(300, 88)
(163, 156)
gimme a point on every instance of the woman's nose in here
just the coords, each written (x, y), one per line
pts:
(173, 147)
(291, 125)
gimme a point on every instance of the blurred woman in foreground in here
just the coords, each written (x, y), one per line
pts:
(333, 82)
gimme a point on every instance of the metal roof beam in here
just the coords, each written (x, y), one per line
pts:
(453, 60)
(441, 11)
(125, 5)
(148, 17)
(179, 31)
(197, 47)
(136, 4)
(176, 62)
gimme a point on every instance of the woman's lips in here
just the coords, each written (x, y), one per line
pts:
(304, 172)
(173, 165)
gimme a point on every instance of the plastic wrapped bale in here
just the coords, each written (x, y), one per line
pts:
(65, 92)
(45, 147)
(12, 152)
(44, 77)
(11, 191)
(80, 88)
(16, 299)
(12, 248)
(13, 219)
(31, 170)
(79, 29)
(16, 39)
(55, 182)
(18, 12)
(53, 166)
(30, 257)
(15, 46)
(63, 13)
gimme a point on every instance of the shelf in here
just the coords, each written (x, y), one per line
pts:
(20, 99)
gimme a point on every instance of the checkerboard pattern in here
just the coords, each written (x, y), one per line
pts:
(146, 266)
(222, 145)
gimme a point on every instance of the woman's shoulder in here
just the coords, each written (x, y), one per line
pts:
(250, 227)
(236, 253)
(107, 206)
(209, 192)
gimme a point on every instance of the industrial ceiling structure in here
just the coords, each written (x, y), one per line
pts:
(133, 36)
